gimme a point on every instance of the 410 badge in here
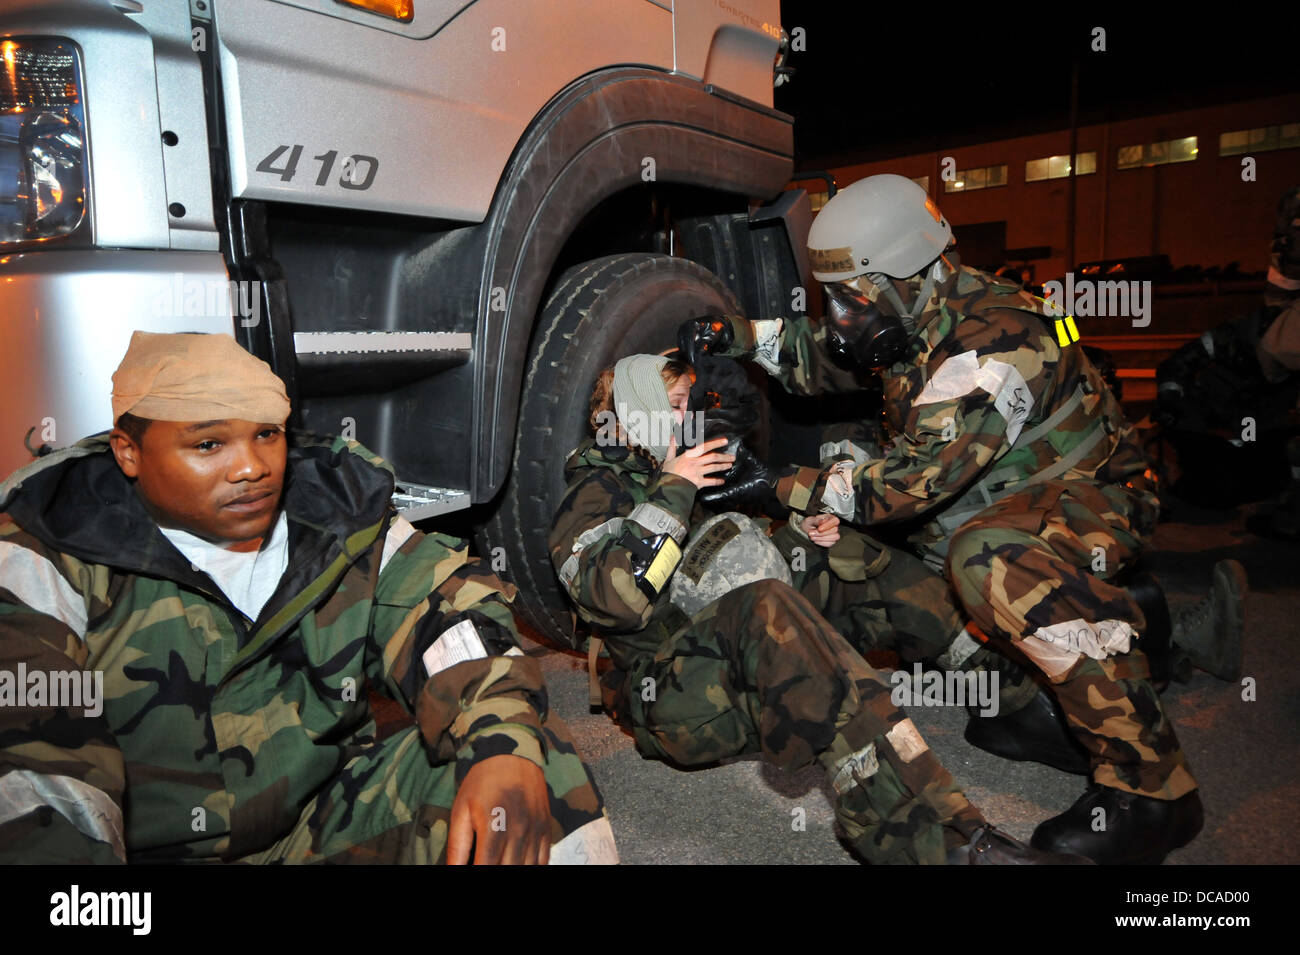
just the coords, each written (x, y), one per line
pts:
(355, 171)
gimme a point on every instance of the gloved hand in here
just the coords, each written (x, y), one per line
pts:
(715, 335)
(749, 484)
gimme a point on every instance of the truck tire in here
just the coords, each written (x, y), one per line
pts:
(600, 311)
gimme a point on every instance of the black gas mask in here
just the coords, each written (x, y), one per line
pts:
(732, 409)
(1286, 235)
(858, 334)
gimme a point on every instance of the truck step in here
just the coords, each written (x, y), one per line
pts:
(415, 502)
(349, 362)
(446, 345)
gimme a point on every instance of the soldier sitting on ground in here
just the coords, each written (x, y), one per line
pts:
(717, 655)
(236, 588)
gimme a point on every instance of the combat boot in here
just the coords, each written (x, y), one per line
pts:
(1210, 633)
(1286, 514)
(991, 846)
(1035, 733)
(1156, 642)
(1128, 830)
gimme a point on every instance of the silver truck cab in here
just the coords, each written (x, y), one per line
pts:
(407, 207)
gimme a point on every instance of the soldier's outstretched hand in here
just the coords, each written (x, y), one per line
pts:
(502, 812)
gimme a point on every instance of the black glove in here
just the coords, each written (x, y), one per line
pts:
(749, 484)
(708, 334)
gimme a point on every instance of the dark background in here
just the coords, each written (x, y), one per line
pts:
(872, 85)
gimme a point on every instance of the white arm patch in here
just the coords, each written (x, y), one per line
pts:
(767, 343)
(832, 449)
(839, 496)
(569, 569)
(962, 375)
(658, 521)
(37, 583)
(87, 807)
(455, 645)
(592, 844)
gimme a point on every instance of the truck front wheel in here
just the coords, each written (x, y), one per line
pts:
(599, 312)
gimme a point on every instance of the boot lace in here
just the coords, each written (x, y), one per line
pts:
(1194, 618)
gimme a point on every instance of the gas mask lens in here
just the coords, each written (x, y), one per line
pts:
(857, 332)
(846, 307)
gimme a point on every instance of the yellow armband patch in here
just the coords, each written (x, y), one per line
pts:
(663, 565)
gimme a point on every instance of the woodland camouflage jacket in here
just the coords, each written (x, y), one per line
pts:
(611, 489)
(990, 396)
(216, 730)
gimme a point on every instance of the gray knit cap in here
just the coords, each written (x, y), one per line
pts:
(641, 402)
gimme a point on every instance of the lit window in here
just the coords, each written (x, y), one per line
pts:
(1058, 167)
(1182, 150)
(1156, 154)
(1261, 139)
(818, 199)
(1130, 156)
(982, 177)
(923, 182)
(1232, 144)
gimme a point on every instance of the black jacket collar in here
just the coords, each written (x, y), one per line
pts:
(77, 501)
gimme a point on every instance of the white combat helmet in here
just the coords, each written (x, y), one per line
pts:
(882, 224)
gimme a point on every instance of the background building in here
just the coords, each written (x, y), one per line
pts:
(1157, 185)
(1162, 185)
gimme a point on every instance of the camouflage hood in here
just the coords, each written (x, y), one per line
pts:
(78, 501)
(619, 458)
(970, 292)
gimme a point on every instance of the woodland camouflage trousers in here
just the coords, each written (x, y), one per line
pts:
(1036, 568)
(760, 670)
(390, 805)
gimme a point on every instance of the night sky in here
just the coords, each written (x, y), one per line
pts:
(873, 85)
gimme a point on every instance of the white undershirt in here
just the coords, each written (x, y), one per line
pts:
(247, 579)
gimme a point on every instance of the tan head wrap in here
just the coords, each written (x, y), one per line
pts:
(192, 377)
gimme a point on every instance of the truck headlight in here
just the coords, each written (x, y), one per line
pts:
(43, 174)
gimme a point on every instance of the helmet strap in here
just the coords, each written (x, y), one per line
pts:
(886, 288)
(939, 271)
(927, 288)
